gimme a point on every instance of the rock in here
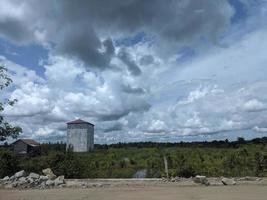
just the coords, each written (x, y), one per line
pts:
(36, 183)
(34, 175)
(97, 185)
(49, 182)
(228, 181)
(62, 186)
(43, 178)
(22, 181)
(250, 178)
(19, 174)
(59, 180)
(49, 173)
(164, 179)
(30, 180)
(215, 181)
(12, 178)
(201, 179)
(6, 178)
(177, 179)
(14, 184)
(42, 185)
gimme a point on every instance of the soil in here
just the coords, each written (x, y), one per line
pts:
(169, 192)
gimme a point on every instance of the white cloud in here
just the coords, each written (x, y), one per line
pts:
(32, 100)
(199, 93)
(62, 72)
(254, 105)
(193, 122)
(260, 129)
(44, 131)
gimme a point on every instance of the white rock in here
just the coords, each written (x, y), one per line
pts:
(22, 180)
(34, 175)
(250, 178)
(30, 180)
(19, 174)
(49, 173)
(201, 179)
(12, 178)
(59, 180)
(6, 178)
(49, 182)
(42, 185)
(228, 181)
(62, 185)
(43, 178)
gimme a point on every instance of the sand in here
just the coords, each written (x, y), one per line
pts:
(240, 192)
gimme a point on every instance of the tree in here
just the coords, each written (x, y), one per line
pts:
(6, 129)
(241, 140)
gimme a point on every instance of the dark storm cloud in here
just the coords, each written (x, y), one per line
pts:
(15, 30)
(129, 62)
(115, 114)
(75, 27)
(171, 18)
(109, 47)
(84, 44)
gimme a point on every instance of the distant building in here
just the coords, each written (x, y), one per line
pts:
(80, 135)
(26, 146)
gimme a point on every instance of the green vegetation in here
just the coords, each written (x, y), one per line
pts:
(6, 129)
(217, 158)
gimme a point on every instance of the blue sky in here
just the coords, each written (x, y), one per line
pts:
(138, 70)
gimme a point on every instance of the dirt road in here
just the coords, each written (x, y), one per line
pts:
(142, 193)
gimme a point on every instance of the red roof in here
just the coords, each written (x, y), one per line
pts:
(79, 121)
(29, 142)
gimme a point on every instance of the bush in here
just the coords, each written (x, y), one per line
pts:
(8, 163)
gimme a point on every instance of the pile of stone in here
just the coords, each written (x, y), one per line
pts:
(228, 181)
(33, 180)
(201, 180)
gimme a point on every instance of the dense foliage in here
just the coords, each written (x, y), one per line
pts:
(6, 129)
(217, 158)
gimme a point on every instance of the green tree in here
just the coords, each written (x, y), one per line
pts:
(241, 140)
(6, 129)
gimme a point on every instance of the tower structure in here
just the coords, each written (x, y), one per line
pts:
(80, 135)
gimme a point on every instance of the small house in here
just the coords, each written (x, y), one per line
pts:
(26, 147)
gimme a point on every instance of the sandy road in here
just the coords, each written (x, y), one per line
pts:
(248, 192)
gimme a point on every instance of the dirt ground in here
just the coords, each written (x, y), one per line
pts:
(246, 192)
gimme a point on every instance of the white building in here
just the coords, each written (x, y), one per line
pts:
(80, 135)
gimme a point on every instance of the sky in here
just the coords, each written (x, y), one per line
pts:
(164, 71)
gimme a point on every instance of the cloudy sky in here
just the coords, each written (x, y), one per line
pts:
(139, 70)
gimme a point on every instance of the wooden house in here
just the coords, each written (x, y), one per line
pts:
(26, 147)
